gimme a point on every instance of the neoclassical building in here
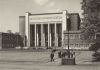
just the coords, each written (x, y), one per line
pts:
(46, 29)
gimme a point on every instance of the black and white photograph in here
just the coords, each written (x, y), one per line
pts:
(49, 34)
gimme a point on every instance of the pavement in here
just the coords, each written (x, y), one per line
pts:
(30, 60)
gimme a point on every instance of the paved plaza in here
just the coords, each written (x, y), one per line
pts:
(30, 60)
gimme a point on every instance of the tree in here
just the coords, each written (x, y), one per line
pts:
(9, 31)
(91, 21)
(95, 47)
(91, 24)
(17, 33)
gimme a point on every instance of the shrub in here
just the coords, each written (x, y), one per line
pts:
(95, 47)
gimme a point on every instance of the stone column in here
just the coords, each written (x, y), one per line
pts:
(57, 39)
(27, 28)
(64, 23)
(50, 36)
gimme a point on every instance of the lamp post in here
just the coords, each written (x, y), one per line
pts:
(68, 28)
(68, 60)
(68, 46)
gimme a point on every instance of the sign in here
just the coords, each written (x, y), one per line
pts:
(45, 18)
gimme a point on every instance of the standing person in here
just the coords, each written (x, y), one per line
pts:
(52, 56)
(72, 54)
(59, 54)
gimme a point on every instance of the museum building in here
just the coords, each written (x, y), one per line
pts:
(47, 29)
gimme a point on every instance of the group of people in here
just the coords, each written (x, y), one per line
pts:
(69, 54)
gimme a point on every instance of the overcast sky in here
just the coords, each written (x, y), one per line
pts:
(10, 10)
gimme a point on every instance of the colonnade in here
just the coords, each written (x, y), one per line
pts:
(46, 35)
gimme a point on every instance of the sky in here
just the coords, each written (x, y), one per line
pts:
(10, 10)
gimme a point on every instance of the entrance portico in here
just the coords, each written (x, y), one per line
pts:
(45, 34)
(45, 29)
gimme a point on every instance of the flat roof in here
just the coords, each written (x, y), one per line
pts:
(46, 13)
(21, 16)
(73, 13)
(72, 32)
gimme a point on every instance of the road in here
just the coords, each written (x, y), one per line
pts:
(29, 60)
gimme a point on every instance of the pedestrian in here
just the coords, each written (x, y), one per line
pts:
(52, 56)
(71, 54)
(63, 55)
(59, 54)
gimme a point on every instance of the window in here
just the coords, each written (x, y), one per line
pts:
(87, 45)
(76, 36)
(76, 45)
(71, 37)
(66, 36)
(71, 45)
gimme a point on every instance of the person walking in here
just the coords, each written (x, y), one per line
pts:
(52, 56)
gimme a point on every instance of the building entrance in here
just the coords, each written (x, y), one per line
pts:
(48, 35)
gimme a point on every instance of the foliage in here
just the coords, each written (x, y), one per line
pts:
(9, 31)
(95, 47)
(96, 56)
(91, 22)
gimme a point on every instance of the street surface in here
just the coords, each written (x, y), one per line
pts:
(29, 60)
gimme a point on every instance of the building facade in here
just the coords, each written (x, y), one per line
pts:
(75, 42)
(10, 40)
(46, 29)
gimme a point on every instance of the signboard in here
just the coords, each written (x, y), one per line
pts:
(45, 18)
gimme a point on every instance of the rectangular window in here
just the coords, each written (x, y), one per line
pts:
(66, 36)
(71, 37)
(76, 36)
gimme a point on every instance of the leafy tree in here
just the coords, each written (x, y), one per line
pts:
(95, 47)
(9, 31)
(91, 20)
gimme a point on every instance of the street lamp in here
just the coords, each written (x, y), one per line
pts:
(68, 28)
(69, 60)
